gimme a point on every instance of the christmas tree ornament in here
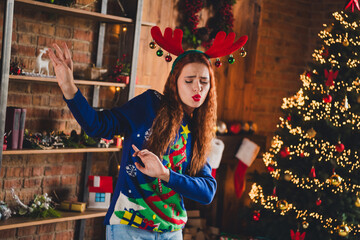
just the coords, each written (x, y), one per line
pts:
(242, 52)
(231, 59)
(270, 168)
(335, 180)
(168, 58)
(325, 53)
(214, 159)
(287, 177)
(345, 42)
(152, 44)
(340, 147)
(312, 173)
(343, 230)
(318, 202)
(256, 215)
(221, 127)
(330, 76)
(345, 104)
(288, 118)
(305, 224)
(282, 205)
(284, 152)
(357, 202)
(302, 154)
(171, 41)
(274, 192)
(246, 154)
(308, 74)
(311, 133)
(297, 235)
(218, 63)
(327, 98)
(159, 52)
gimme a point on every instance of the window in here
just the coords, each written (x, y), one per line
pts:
(100, 197)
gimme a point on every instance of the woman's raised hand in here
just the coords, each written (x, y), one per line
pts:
(63, 67)
(152, 164)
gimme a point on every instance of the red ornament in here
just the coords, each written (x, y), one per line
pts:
(318, 202)
(340, 147)
(256, 216)
(302, 154)
(288, 118)
(235, 128)
(308, 74)
(327, 99)
(168, 58)
(312, 173)
(285, 152)
(270, 168)
(274, 192)
(218, 63)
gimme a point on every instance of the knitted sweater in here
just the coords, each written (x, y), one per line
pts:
(139, 200)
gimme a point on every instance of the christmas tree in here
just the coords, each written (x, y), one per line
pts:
(312, 187)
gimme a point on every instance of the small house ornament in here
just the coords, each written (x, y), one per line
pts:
(100, 190)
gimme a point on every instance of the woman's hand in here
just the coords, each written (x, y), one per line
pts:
(153, 166)
(63, 67)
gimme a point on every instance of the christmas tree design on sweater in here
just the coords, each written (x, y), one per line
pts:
(162, 210)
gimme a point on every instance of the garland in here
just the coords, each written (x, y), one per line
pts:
(222, 20)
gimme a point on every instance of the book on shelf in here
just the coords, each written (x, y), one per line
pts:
(22, 128)
(15, 124)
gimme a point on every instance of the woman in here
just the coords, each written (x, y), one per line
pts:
(173, 131)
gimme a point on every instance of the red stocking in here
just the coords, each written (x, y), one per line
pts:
(246, 154)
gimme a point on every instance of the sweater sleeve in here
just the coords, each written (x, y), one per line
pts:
(200, 188)
(108, 123)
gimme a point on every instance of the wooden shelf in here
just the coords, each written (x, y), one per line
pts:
(75, 12)
(18, 222)
(60, 150)
(81, 82)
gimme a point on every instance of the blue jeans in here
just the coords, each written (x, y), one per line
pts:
(126, 232)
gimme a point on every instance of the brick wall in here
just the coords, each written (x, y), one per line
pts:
(287, 37)
(46, 111)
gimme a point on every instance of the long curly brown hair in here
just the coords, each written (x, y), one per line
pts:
(169, 117)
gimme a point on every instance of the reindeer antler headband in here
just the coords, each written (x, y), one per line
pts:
(223, 45)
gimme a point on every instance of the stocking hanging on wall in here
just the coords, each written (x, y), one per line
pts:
(246, 154)
(217, 148)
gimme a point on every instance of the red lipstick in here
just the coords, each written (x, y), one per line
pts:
(196, 97)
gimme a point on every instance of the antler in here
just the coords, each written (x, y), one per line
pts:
(170, 43)
(223, 45)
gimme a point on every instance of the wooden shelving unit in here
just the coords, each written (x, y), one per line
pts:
(18, 222)
(59, 150)
(80, 82)
(74, 11)
(102, 18)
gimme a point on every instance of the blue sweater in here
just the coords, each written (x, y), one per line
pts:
(139, 200)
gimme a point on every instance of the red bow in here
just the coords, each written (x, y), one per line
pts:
(297, 236)
(353, 3)
(330, 75)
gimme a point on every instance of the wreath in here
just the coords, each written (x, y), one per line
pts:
(221, 20)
